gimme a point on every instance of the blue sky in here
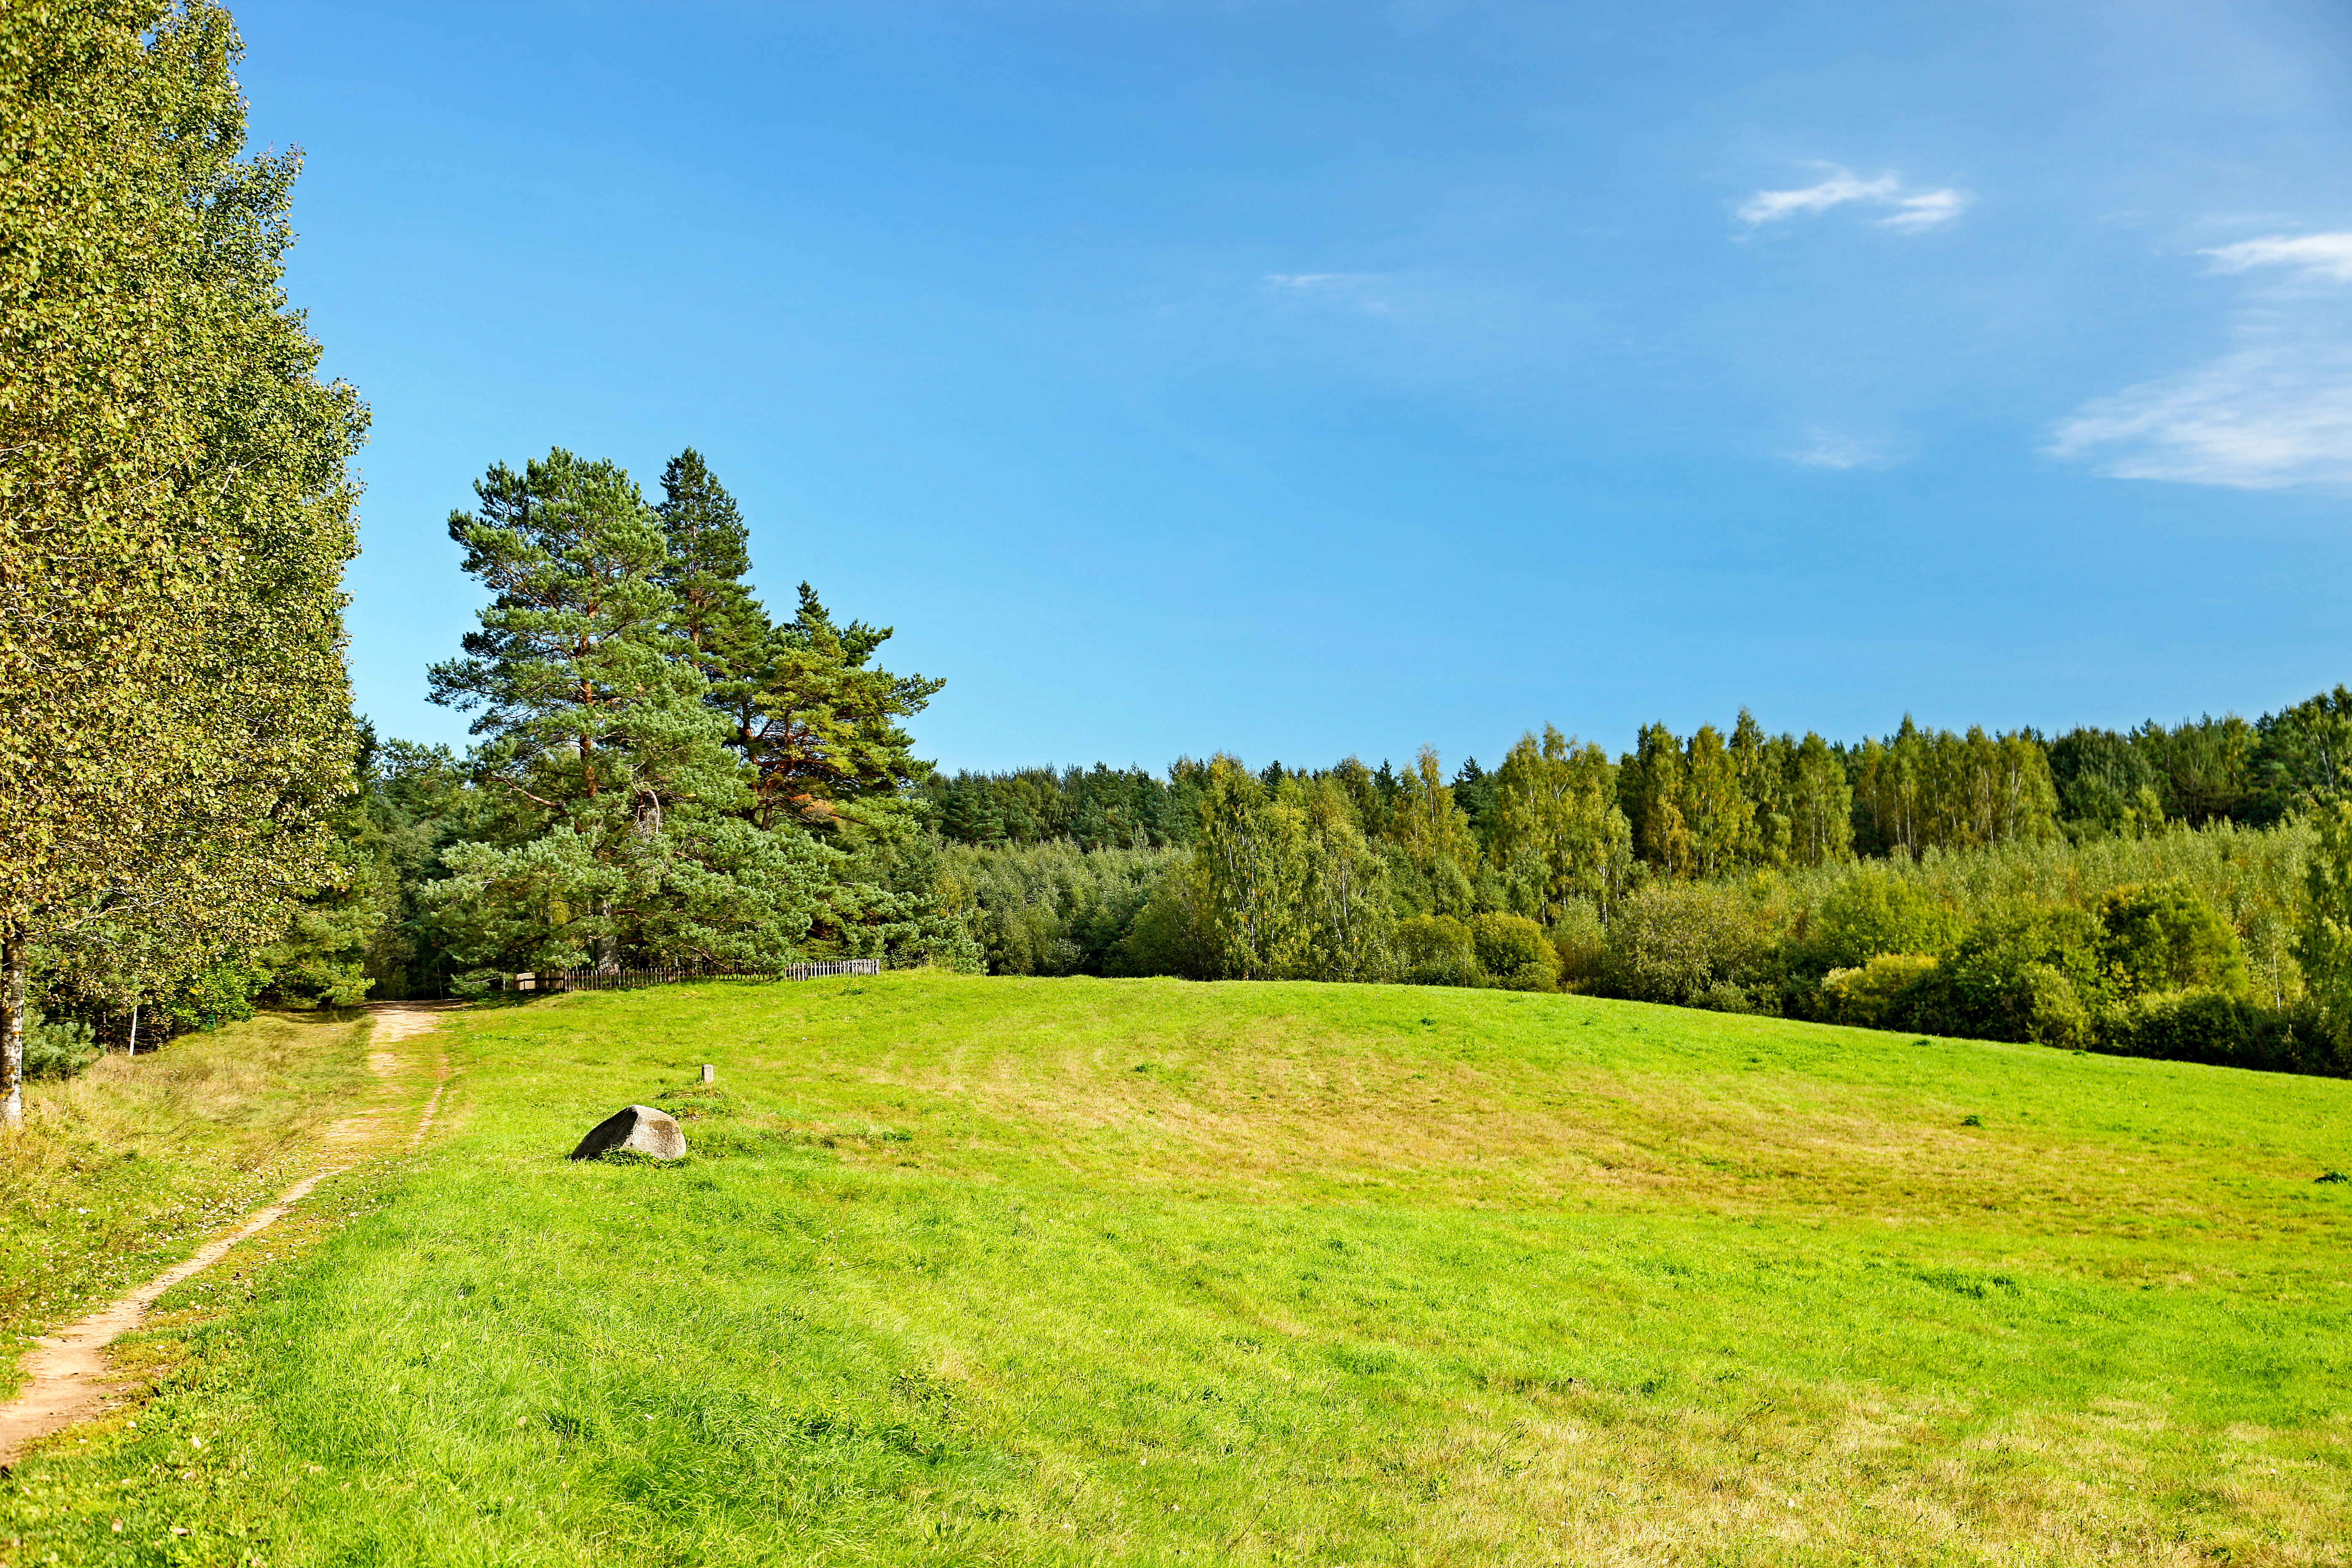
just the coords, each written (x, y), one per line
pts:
(1301, 379)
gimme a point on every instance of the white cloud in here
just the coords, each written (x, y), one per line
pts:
(2324, 258)
(2274, 411)
(1912, 213)
(2260, 419)
(1360, 290)
(1769, 206)
(1828, 449)
(1925, 210)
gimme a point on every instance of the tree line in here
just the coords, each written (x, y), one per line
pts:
(1712, 803)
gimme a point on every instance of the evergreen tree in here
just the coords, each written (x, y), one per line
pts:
(617, 781)
(827, 749)
(2206, 768)
(724, 629)
(2303, 754)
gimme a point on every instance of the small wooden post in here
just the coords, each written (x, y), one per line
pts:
(709, 1073)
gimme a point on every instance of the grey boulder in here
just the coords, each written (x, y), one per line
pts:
(636, 1130)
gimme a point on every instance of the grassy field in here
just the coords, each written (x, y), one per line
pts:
(1072, 1271)
(123, 1170)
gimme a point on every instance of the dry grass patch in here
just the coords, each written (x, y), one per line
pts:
(128, 1167)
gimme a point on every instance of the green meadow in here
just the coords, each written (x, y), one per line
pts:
(1065, 1271)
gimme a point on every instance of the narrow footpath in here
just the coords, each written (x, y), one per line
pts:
(68, 1378)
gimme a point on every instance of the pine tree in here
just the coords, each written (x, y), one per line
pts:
(827, 751)
(617, 783)
(725, 630)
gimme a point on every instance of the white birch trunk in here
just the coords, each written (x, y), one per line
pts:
(12, 1027)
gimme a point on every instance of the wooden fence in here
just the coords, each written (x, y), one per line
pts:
(631, 979)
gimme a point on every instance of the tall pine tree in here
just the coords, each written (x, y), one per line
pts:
(621, 838)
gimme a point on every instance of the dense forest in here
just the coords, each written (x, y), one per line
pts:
(1714, 802)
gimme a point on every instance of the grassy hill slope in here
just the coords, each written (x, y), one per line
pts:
(1077, 1271)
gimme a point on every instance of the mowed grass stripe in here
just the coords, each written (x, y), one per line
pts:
(1104, 1271)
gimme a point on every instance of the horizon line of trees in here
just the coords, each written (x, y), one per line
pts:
(1710, 803)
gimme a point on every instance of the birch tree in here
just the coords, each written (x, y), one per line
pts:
(175, 503)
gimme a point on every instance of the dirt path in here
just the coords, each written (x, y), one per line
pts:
(67, 1378)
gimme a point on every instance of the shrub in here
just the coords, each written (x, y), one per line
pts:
(221, 994)
(1672, 941)
(2045, 1008)
(1514, 953)
(1876, 910)
(1166, 937)
(2162, 937)
(1723, 996)
(2033, 975)
(1582, 944)
(58, 1049)
(1879, 994)
(1436, 949)
(2212, 1026)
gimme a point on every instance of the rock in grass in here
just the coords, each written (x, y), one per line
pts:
(636, 1130)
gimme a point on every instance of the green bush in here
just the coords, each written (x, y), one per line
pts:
(2034, 974)
(1877, 909)
(59, 1049)
(1879, 994)
(1725, 996)
(1166, 938)
(1514, 953)
(1436, 949)
(1672, 941)
(2047, 1008)
(2162, 937)
(1582, 944)
(2212, 1026)
(221, 994)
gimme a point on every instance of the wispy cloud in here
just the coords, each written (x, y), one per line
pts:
(1925, 210)
(1357, 290)
(1769, 207)
(1914, 211)
(2326, 257)
(1829, 449)
(2262, 418)
(2273, 412)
